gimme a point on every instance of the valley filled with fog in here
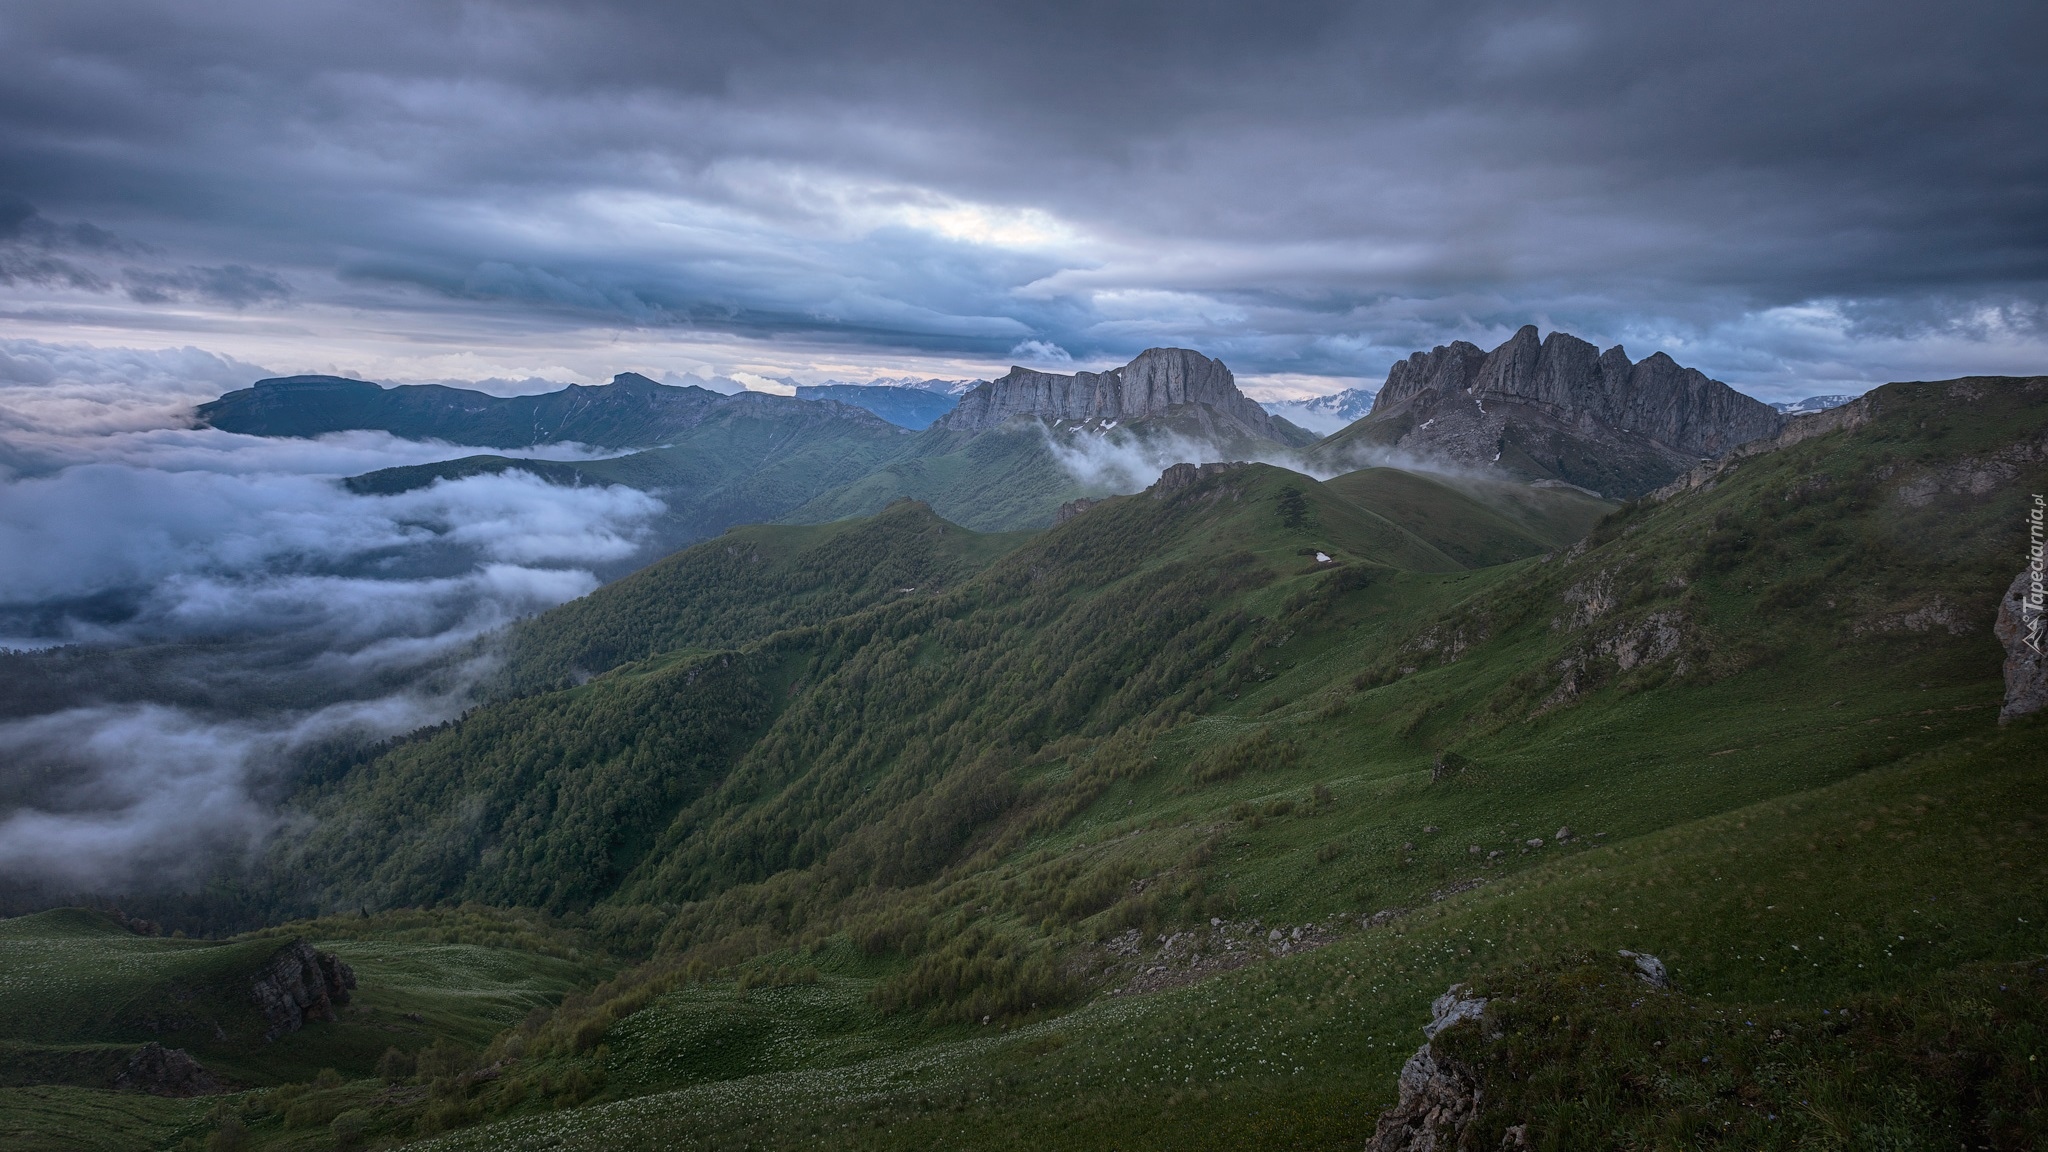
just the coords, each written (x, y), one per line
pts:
(186, 610)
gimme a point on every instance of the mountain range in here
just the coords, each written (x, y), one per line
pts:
(1009, 452)
(1397, 808)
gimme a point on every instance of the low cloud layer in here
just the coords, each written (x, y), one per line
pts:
(230, 604)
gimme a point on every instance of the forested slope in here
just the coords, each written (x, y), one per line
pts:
(775, 756)
(745, 585)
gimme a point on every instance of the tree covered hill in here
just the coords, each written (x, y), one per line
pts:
(744, 586)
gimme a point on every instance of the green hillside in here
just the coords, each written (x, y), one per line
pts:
(1003, 479)
(1478, 523)
(1154, 830)
(1654, 691)
(744, 586)
(1116, 615)
(80, 991)
(1012, 476)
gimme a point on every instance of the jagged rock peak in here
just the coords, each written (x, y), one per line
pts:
(1573, 381)
(1160, 379)
(1558, 408)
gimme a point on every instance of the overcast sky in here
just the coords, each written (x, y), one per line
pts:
(1794, 197)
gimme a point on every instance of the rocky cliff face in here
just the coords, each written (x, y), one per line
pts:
(298, 984)
(1561, 409)
(2022, 627)
(1439, 1097)
(1160, 382)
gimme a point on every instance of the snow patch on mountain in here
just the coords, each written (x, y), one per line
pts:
(1811, 404)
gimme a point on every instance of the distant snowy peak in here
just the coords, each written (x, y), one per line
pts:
(1812, 404)
(1323, 415)
(954, 388)
(944, 387)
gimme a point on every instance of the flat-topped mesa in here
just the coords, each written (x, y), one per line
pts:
(1157, 382)
(1560, 408)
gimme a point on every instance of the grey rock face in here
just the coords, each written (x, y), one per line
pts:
(298, 984)
(2023, 628)
(1179, 476)
(1071, 509)
(1648, 968)
(1561, 409)
(1158, 381)
(163, 1071)
(1439, 1097)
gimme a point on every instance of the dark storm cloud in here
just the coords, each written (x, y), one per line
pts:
(37, 251)
(1772, 189)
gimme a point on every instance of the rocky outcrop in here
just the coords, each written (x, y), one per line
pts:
(1073, 508)
(1157, 383)
(298, 984)
(1180, 476)
(2023, 628)
(162, 1071)
(1440, 1097)
(1649, 969)
(1560, 409)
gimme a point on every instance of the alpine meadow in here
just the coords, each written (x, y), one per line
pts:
(1010, 578)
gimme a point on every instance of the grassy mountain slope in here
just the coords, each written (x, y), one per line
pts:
(1000, 480)
(1789, 664)
(1478, 523)
(1162, 610)
(83, 992)
(745, 585)
(1012, 476)
(551, 799)
(890, 866)
(1302, 1050)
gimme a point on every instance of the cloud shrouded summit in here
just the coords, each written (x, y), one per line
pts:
(1782, 194)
